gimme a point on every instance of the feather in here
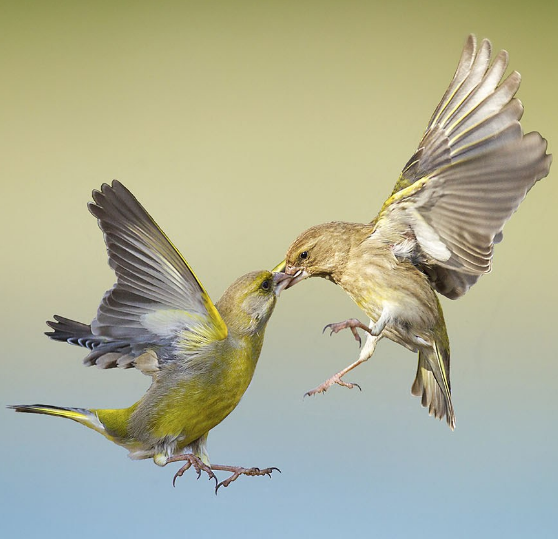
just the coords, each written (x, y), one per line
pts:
(156, 300)
(471, 171)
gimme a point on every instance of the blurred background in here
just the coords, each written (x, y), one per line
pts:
(238, 125)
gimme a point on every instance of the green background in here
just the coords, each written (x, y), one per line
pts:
(238, 125)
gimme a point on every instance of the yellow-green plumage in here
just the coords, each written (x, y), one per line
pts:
(184, 406)
(159, 319)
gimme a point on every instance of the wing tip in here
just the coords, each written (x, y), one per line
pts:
(111, 199)
(485, 47)
(115, 188)
(470, 43)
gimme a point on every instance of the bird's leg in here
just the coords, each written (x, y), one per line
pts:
(352, 324)
(191, 460)
(365, 354)
(237, 471)
(373, 329)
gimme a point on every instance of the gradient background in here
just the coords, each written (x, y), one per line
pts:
(239, 124)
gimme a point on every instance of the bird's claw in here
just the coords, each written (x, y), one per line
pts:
(335, 379)
(200, 466)
(238, 471)
(191, 460)
(357, 337)
(352, 324)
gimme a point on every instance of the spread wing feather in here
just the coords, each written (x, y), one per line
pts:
(156, 298)
(471, 171)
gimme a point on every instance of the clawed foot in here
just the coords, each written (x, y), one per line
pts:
(192, 460)
(335, 379)
(374, 332)
(237, 471)
(352, 324)
(199, 466)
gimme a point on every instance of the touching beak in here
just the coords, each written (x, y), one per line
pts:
(296, 274)
(281, 281)
(280, 267)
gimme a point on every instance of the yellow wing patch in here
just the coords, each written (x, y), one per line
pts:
(220, 330)
(399, 195)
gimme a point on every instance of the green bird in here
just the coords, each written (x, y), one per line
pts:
(437, 230)
(159, 319)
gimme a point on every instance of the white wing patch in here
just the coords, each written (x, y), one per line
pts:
(428, 238)
(473, 168)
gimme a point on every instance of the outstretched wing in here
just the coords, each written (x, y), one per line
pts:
(156, 296)
(471, 171)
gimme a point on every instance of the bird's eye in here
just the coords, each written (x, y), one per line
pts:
(265, 285)
(304, 255)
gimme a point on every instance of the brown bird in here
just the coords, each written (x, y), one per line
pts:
(437, 230)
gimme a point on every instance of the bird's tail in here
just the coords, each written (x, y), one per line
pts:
(432, 382)
(111, 423)
(104, 352)
(73, 332)
(89, 418)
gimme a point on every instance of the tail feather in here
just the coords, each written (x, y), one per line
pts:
(432, 384)
(105, 353)
(73, 332)
(82, 415)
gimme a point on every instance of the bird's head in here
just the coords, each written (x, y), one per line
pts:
(248, 303)
(320, 251)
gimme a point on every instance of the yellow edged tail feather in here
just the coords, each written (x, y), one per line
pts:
(433, 386)
(86, 417)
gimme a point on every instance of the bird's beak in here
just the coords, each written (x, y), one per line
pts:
(281, 281)
(279, 267)
(296, 274)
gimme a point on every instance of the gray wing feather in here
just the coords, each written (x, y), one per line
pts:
(150, 271)
(468, 203)
(156, 294)
(478, 168)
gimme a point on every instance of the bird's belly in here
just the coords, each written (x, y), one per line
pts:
(404, 295)
(198, 404)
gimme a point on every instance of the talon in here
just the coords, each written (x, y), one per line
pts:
(237, 471)
(216, 482)
(180, 472)
(357, 337)
(352, 324)
(219, 486)
(335, 379)
(349, 385)
(191, 460)
(176, 475)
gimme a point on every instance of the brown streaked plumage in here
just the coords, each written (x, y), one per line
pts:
(437, 231)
